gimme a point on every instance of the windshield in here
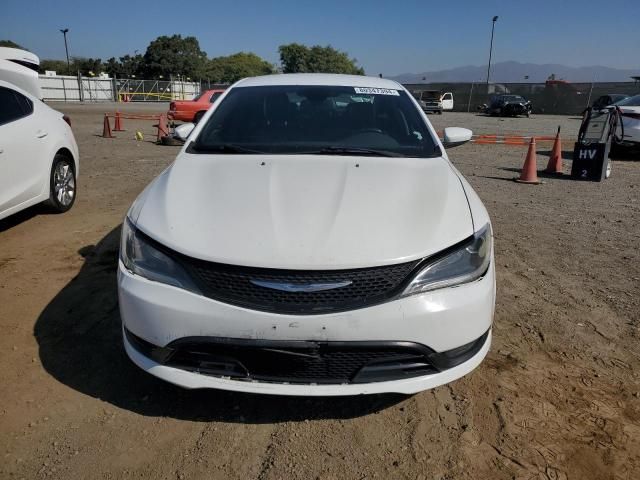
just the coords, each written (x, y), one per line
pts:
(630, 101)
(317, 119)
(197, 97)
(430, 95)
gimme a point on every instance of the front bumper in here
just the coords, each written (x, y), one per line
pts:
(441, 320)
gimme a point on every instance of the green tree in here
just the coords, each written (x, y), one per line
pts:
(232, 68)
(294, 58)
(127, 66)
(300, 58)
(77, 64)
(174, 56)
(86, 66)
(58, 66)
(113, 67)
(11, 44)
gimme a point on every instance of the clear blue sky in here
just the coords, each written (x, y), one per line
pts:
(389, 37)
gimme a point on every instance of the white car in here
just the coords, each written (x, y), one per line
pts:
(38, 154)
(436, 101)
(20, 67)
(630, 109)
(311, 238)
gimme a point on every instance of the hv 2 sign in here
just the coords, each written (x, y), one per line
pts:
(587, 154)
(590, 161)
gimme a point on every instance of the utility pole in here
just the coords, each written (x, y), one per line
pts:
(66, 48)
(493, 26)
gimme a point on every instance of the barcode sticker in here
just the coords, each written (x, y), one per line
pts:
(376, 91)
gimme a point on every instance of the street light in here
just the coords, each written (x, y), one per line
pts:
(493, 26)
(66, 48)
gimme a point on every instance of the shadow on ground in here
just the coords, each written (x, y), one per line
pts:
(566, 154)
(80, 345)
(22, 216)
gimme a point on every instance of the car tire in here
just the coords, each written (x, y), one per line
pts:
(62, 184)
(198, 116)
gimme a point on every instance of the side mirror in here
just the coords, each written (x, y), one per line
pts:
(454, 136)
(183, 131)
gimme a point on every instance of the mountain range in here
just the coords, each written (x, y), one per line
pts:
(510, 72)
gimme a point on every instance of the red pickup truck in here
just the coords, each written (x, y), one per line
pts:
(193, 110)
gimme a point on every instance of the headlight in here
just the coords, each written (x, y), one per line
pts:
(141, 257)
(463, 265)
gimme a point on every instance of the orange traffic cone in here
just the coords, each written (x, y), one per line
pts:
(106, 128)
(529, 172)
(118, 123)
(555, 160)
(163, 128)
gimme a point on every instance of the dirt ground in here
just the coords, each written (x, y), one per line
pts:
(556, 398)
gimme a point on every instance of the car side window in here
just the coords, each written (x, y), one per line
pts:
(214, 97)
(13, 106)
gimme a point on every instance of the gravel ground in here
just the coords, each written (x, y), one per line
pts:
(556, 398)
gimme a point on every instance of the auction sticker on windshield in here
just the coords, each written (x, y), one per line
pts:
(376, 91)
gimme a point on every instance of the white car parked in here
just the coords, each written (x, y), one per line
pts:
(20, 67)
(630, 110)
(38, 154)
(311, 238)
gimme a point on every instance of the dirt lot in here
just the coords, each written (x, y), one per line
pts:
(557, 397)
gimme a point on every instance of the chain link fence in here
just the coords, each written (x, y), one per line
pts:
(552, 97)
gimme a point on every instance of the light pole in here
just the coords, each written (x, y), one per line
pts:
(493, 26)
(66, 48)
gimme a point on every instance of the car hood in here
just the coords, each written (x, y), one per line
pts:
(306, 212)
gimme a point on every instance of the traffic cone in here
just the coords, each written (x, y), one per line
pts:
(555, 160)
(529, 172)
(106, 128)
(118, 123)
(163, 128)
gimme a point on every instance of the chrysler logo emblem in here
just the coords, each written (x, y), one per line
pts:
(300, 287)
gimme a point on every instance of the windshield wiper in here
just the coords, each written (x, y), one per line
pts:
(224, 148)
(352, 151)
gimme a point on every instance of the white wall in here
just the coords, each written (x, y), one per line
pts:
(67, 88)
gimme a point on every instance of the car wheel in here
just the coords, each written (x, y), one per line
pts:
(198, 116)
(62, 184)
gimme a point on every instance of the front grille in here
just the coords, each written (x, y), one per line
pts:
(303, 362)
(233, 285)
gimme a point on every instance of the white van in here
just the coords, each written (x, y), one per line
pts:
(20, 67)
(436, 101)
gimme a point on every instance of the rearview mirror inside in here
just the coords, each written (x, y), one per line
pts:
(454, 136)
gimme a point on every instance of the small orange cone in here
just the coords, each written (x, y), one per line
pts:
(555, 160)
(118, 123)
(163, 128)
(106, 128)
(529, 172)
